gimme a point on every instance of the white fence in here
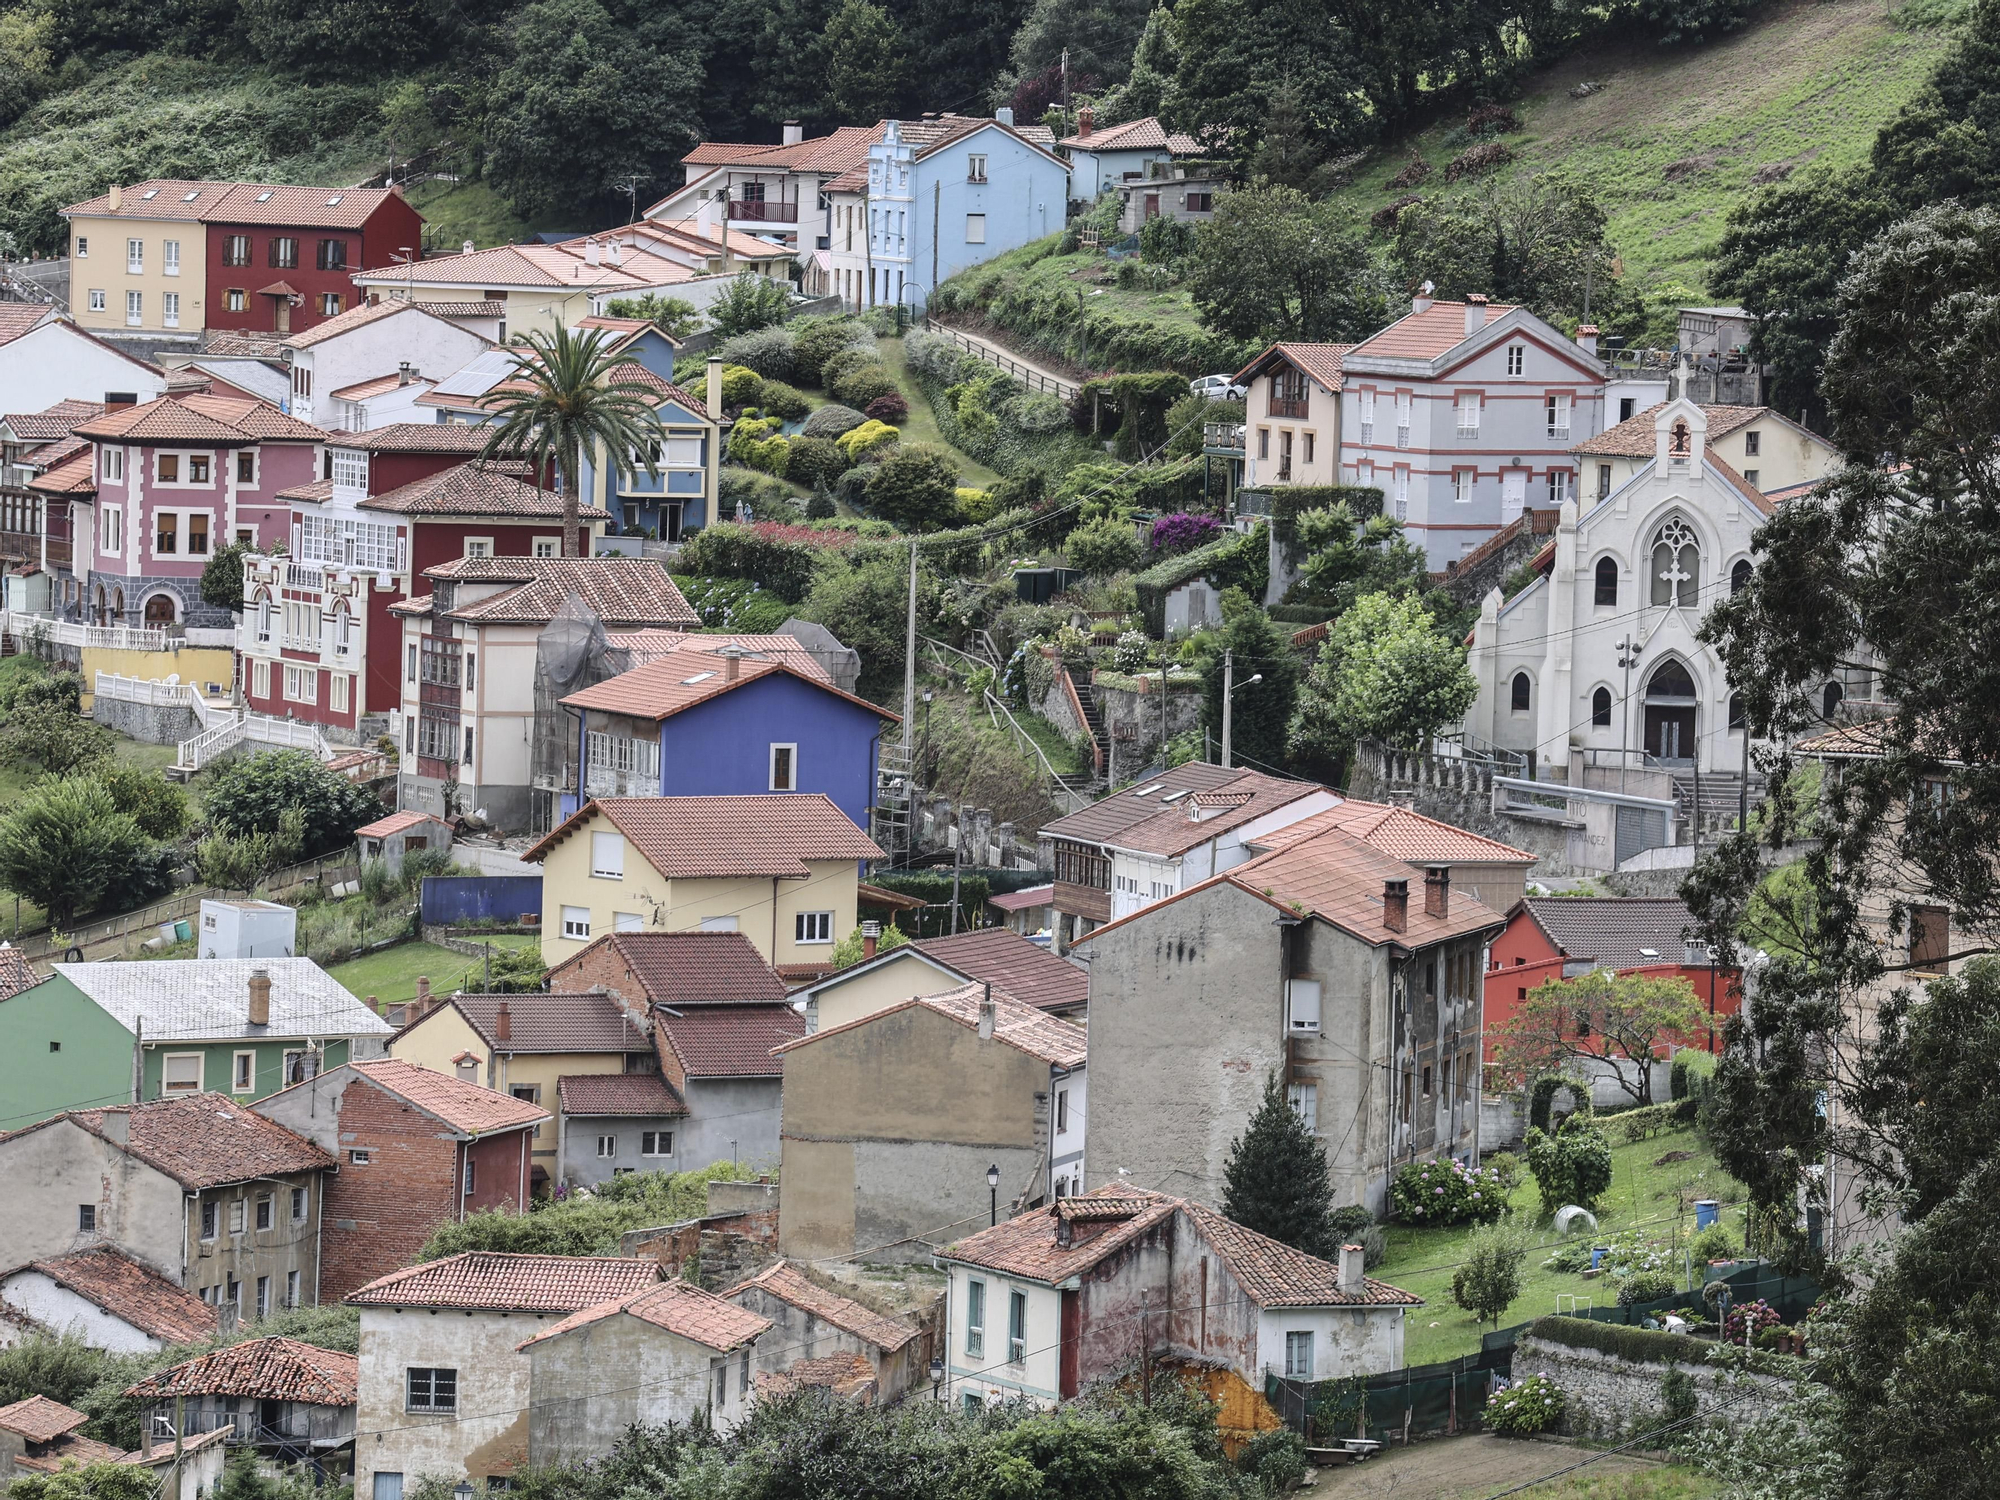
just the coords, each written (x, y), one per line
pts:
(224, 725)
(24, 626)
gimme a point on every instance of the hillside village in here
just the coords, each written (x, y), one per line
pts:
(1038, 763)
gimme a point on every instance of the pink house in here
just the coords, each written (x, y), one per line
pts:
(176, 479)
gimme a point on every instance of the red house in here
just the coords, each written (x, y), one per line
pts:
(1559, 937)
(280, 259)
(417, 1149)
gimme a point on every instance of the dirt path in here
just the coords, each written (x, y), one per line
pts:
(1459, 1468)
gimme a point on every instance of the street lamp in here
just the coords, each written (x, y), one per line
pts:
(1230, 688)
(993, 1187)
(937, 1378)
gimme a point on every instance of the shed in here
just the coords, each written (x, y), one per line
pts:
(389, 839)
(248, 929)
(1040, 585)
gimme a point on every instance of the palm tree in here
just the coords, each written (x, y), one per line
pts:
(561, 402)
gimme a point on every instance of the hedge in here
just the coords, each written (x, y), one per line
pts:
(935, 890)
(1293, 501)
(1658, 1347)
(773, 557)
(1237, 561)
(988, 416)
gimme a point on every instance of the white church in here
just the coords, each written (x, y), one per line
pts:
(1593, 671)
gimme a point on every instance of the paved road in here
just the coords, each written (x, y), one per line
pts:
(1459, 1468)
(1018, 365)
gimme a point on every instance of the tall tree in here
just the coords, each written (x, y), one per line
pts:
(1262, 712)
(862, 64)
(1276, 1181)
(1236, 54)
(1346, 559)
(1385, 673)
(1292, 146)
(568, 400)
(65, 844)
(1271, 265)
(1155, 60)
(1623, 1020)
(1098, 37)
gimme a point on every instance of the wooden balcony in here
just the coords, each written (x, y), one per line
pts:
(757, 211)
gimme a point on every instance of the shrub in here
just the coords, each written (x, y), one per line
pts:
(1184, 532)
(1656, 1346)
(781, 400)
(859, 386)
(1573, 1166)
(1277, 1457)
(741, 387)
(1748, 1319)
(1037, 413)
(1437, 1193)
(915, 488)
(1349, 1220)
(756, 442)
(1526, 1407)
(844, 361)
(1489, 1279)
(831, 420)
(727, 550)
(1646, 1286)
(815, 340)
(768, 351)
(1133, 651)
(815, 461)
(1106, 546)
(254, 794)
(1506, 1169)
(158, 806)
(891, 408)
(820, 507)
(1713, 1243)
(865, 438)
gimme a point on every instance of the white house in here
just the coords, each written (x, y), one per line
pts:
(46, 358)
(343, 367)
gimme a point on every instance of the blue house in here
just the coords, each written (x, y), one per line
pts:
(726, 722)
(934, 197)
(679, 495)
(1138, 149)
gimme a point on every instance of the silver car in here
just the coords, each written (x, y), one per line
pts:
(1217, 388)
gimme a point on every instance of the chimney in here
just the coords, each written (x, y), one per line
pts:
(1396, 905)
(715, 387)
(466, 249)
(503, 1025)
(403, 373)
(593, 253)
(260, 997)
(375, 1004)
(1352, 1261)
(613, 252)
(871, 934)
(1422, 302)
(794, 132)
(986, 1015)
(1437, 892)
(1475, 314)
(421, 1006)
(1004, 115)
(732, 662)
(1586, 338)
(117, 197)
(1086, 121)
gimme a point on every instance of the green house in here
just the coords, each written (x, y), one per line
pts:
(92, 1033)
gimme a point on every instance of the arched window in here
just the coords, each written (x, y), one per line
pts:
(1600, 708)
(263, 617)
(1739, 576)
(1522, 691)
(1676, 564)
(1829, 701)
(343, 629)
(1735, 710)
(1670, 680)
(1607, 581)
(1678, 442)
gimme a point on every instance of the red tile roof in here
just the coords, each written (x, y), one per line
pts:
(695, 838)
(785, 1281)
(684, 968)
(51, 422)
(689, 678)
(158, 198)
(395, 823)
(239, 203)
(622, 591)
(417, 437)
(314, 492)
(633, 1095)
(1323, 362)
(1635, 436)
(1003, 958)
(1401, 833)
(493, 1281)
(1146, 134)
(728, 1041)
(1029, 1244)
(361, 390)
(40, 1420)
(132, 1293)
(202, 1140)
(1020, 1026)
(271, 1369)
(538, 1022)
(1023, 900)
(75, 475)
(647, 646)
(476, 489)
(468, 1108)
(356, 317)
(1273, 1274)
(1151, 819)
(17, 318)
(451, 310)
(1438, 329)
(221, 421)
(1614, 931)
(678, 1307)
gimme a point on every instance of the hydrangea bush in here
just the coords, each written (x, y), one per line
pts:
(1748, 1319)
(1526, 1407)
(1437, 1193)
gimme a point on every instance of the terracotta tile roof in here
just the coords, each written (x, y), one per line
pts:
(1635, 438)
(1401, 833)
(694, 838)
(450, 310)
(75, 1448)
(539, 1022)
(16, 974)
(1023, 900)
(633, 1095)
(468, 1108)
(222, 421)
(1029, 1244)
(51, 422)
(691, 677)
(499, 1282)
(622, 591)
(272, 1369)
(75, 475)
(308, 207)
(537, 266)
(1106, 819)
(789, 1284)
(475, 489)
(1144, 820)
(658, 389)
(418, 437)
(355, 317)
(927, 136)
(685, 968)
(1339, 879)
(395, 823)
(1019, 1025)
(1438, 329)
(1617, 932)
(1868, 740)
(847, 1376)
(40, 1420)
(616, 325)
(132, 1293)
(647, 646)
(1759, 501)
(157, 198)
(317, 492)
(727, 1041)
(203, 1140)
(1003, 958)
(245, 345)
(1146, 134)
(361, 390)
(258, 418)
(1321, 361)
(687, 235)
(1275, 1275)
(678, 1307)
(17, 318)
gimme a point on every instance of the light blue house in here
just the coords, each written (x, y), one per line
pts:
(679, 495)
(1102, 159)
(934, 197)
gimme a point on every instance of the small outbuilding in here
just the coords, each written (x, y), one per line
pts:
(389, 839)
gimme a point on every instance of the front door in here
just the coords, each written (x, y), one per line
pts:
(1067, 1378)
(1152, 205)
(1669, 732)
(284, 314)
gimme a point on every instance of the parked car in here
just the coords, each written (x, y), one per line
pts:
(1217, 388)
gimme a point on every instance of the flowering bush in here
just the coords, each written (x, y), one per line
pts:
(1183, 532)
(1443, 1192)
(1748, 1320)
(1526, 1407)
(1133, 651)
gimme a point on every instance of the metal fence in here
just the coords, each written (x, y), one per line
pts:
(1396, 1405)
(1033, 379)
(479, 898)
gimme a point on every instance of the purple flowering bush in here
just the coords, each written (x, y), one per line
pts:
(1437, 1193)
(1184, 531)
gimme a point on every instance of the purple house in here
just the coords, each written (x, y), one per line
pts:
(727, 722)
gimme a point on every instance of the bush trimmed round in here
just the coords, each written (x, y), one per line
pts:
(859, 386)
(1526, 1407)
(1436, 1193)
(787, 402)
(815, 461)
(832, 420)
(892, 408)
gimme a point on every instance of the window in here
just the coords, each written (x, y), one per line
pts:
(1200, 203)
(813, 927)
(1290, 394)
(479, 546)
(1557, 410)
(656, 1143)
(260, 675)
(527, 1093)
(333, 255)
(114, 530)
(135, 309)
(1607, 582)
(607, 855)
(111, 464)
(234, 1294)
(410, 667)
(1739, 576)
(607, 1147)
(975, 168)
(975, 1318)
(1750, 478)
(360, 1156)
(291, 1288)
(1402, 419)
(284, 252)
(1752, 443)
(329, 304)
(1520, 693)
(135, 256)
(720, 924)
(236, 250)
(235, 299)
(468, 744)
(83, 247)
(170, 309)
(432, 1390)
(1603, 480)
(1427, 1081)
(97, 299)
(1304, 1100)
(1062, 1111)
(1302, 1005)
(1517, 359)
(1299, 1356)
(546, 546)
(1263, 442)
(1600, 708)
(350, 472)
(1017, 1327)
(208, 1219)
(1930, 939)
(576, 921)
(784, 768)
(180, 1073)
(1402, 492)
(1468, 414)
(244, 1073)
(237, 1216)
(1829, 700)
(298, 1205)
(301, 684)
(263, 1296)
(86, 1218)
(1676, 561)
(472, 1172)
(975, 229)
(1736, 720)
(339, 699)
(1366, 401)
(266, 1210)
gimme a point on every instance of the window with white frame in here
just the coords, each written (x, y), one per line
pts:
(1304, 1100)
(263, 617)
(366, 545)
(170, 257)
(975, 167)
(111, 465)
(135, 309)
(607, 855)
(97, 299)
(1402, 419)
(135, 256)
(1557, 409)
(1461, 485)
(656, 1143)
(479, 546)
(1558, 487)
(683, 452)
(339, 692)
(83, 247)
(975, 1318)
(813, 927)
(607, 1147)
(1366, 400)
(243, 1073)
(301, 684)
(1017, 1328)
(260, 678)
(1517, 359)
(614, 757)
(1299, 1355)
(343, 629)
(576, 921)
(1468, 414)
(785, 768)
(180, 1073)
(170, 309)
(113, 527)
(546, 546)
(975, 229)
(1402, 492)
(350, 469)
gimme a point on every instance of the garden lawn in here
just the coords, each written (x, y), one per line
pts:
(391, 975)
(1642, 1195)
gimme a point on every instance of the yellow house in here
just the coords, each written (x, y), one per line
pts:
(930, 966)
(782, 869)
(139, 256)
(1771, 451)
(522, 1044)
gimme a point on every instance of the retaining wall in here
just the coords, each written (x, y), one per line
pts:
(149, 723)
(1610, 1397)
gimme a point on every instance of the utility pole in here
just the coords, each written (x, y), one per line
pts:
(1228, 693)
(1068, 125)
(1627, 656)
(910, 660)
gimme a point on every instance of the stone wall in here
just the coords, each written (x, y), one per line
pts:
(1460, 793)
(1610, 1397)
(1133, 720)
(149, 723)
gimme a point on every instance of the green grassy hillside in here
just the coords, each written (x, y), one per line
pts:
(1673, 137)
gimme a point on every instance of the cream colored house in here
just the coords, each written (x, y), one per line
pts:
(1770, 451)
(1291, 428)
(782, 869)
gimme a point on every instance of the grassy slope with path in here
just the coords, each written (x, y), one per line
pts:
(922, 427)
(1642, 1194)
(1677, 135)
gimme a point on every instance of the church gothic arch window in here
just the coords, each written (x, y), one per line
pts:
(1600, 708)
(1676, 564)
(1522, 692)
(1607, 581)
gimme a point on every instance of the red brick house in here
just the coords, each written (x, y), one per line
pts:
(417, 1149)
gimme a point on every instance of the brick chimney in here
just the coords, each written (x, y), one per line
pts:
(1475, 314)
(987, 1015)
(1437, 892)
(421, 1006)
(1396, 905)
(1586, 338)
(260, 997)
(871, 934)
(1086, 122)
(732, 662)
(1352, 1262)
(503, 1025)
